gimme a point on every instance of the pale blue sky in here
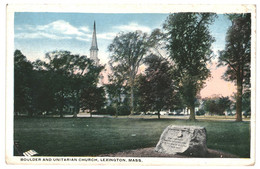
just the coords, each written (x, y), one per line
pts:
(38, 33)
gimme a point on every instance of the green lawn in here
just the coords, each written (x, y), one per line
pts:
(94, 136)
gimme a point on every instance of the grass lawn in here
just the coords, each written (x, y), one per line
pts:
(94, 136)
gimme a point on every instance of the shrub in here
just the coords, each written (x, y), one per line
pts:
(110, 110)
(124, 110)
(200, 112)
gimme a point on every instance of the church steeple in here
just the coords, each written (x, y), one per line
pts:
(94, 46)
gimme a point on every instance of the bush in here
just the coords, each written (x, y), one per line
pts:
(124, 110)
(101, 111)
(200, 112)
(247, 114)
(110, 110)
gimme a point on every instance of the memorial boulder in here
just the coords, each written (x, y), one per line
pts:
(187, 140)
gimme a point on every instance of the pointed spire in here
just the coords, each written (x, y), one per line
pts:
(94, 39)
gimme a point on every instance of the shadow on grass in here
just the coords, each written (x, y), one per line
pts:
(94, 136)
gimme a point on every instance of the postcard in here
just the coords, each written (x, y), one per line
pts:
(130, 84)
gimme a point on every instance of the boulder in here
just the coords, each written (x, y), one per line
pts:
(187, 140)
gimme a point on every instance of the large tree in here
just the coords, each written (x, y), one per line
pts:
(43, 96)
(55, 84)
(23, 70)
(237, 56)
(156, 87)
(59, 65)
(117, 92)
(84, 73)
(92, 98)
(189, 46)
(70, 74)
(127, 51)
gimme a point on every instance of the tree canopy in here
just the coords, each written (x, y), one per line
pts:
(54, 85)
(126, 53)
(156, 87)
(189, 45)
(217, 105)
(237, 56)
(23, 70)
(176, 65)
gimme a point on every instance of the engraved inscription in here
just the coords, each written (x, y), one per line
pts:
(176, 139)
(183, 139)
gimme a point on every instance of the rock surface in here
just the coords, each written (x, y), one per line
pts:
(187, 140)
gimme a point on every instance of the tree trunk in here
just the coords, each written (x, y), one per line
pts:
(132, 100)
(62, 103)
(116, 111)
(159, 114)
(61, 111)
(239, 99)
(76, 109)
(90, 114)
(118, 104)
(192, 113)
(75, 113)
(30, 114)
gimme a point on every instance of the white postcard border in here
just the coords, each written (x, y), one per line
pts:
(120, 8)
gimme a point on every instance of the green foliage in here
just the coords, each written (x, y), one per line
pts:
(53, 85)
(43, 92)
(23, 71)
(237, 56)
(237, 53)
(246, 102)
(189, 46)
(117, 95)
(92, 98)
(155, 87)
(157, 42)
(200, 112)
(110, 110)
(217, 105)
(127, 51)
(124, 110)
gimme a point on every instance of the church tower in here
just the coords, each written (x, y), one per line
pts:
(94, 47)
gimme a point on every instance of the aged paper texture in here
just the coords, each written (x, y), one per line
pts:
(41, 124)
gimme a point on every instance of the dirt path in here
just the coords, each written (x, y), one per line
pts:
(149, 152)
